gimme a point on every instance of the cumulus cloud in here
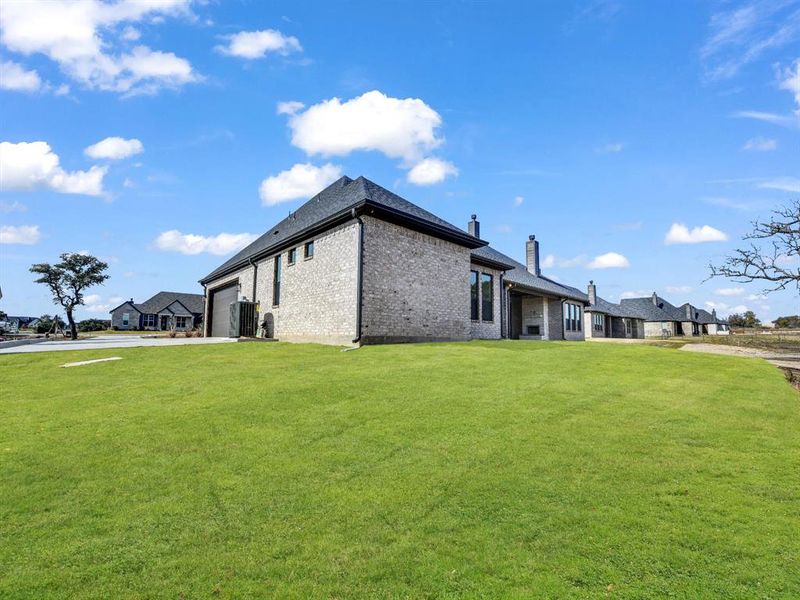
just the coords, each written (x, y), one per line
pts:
(80, 38)
(784, 184)
(609, 260)
(725, 309)
(518, 200)
(20, 234)
(114, 148)
(404, 128)
(760, 144)
(430, 171)
(188, 243)
(790, 81)
(290, 107)
(257, 44)
(11, 207)
(635, 294)
(732, 291)
(301, 181)
(551, 260)
(681, 234)
(14, 77)
(28, 166)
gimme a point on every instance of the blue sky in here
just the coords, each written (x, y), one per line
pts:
(637, 140)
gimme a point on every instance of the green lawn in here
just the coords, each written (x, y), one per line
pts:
(510, 469)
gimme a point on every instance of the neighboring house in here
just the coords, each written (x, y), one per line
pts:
(608, 320)
(711, 324)
(359, 264)
(662, 319)
(162, 312)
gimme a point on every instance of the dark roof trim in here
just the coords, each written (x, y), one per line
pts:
(128, 302)
(365, 207)
(488, 262)
(167, 307)
(540, 292)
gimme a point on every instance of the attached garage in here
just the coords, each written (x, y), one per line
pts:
(220, 309)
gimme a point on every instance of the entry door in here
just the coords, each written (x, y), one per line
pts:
(164, 322)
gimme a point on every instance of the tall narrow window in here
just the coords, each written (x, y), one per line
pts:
(309, 250)
(276, 282)
(487, 297)
(473, 295)
(578, 317)
(292, 256)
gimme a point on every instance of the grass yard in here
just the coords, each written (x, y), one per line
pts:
(483, 469)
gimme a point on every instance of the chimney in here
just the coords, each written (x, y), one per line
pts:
(474, 227)
(592, 292)
(714, 313)
(655, 299)
(532, 255)
(689, 311)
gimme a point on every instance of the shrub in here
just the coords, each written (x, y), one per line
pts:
(172, 333)
(188, 333)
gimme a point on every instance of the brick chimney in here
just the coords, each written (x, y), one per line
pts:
(689, 312)
(714, 313)
(474, 227)
(532, 256)
(592, 293)
(655, 299)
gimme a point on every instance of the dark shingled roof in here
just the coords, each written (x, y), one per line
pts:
(615, 310)
(193, 302)
(519, 275)
(663, 311)
(707, 318)
(336, 201)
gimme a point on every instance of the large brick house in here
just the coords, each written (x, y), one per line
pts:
(163, 312)
(358, 264)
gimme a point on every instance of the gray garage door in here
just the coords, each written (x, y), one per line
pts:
(221, 306)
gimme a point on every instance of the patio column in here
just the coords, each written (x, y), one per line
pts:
(546, 319)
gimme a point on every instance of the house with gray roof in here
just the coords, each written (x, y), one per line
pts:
(358, 264)
(163, 312)
(662, 319)
(711, 324)
(608, 320)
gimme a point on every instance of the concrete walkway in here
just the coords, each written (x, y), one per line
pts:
(102, 342)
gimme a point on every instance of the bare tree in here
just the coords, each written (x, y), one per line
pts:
(773, 255)
(69, 278)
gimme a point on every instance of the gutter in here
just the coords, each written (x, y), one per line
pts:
(359, 276)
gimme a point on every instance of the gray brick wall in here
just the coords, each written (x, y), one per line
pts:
(116, 317)
(416, 287)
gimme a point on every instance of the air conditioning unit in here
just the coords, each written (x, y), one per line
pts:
(244, 319)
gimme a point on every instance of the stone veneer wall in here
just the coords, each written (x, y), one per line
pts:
(318, 295)
(487, 330)
(654, 328)
(415, 286)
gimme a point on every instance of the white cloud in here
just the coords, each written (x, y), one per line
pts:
(725, 309)
(760, 144)
(14, 77)
(790, 80)
(752, 297)
(678, 289)
(430, 171)
(518, 200)
(767, 117)
(257, 44)
(785, 184)
(551, 260)
(744, 33)
(635, 294)
(301, 181)
(290, 107)
(610, 148)
(404, 128)
(81, 37)
(27, 166)
(609, 260)
(734, 291)
(503, 228)
(22, 234)
(188, 243)
(11, 207)
(130, 34)
(680, 234)
(114, 148)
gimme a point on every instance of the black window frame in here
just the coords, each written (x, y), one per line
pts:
(487, 278)
(308, 250)
(276, 282)
(291, 256)
(474, 295)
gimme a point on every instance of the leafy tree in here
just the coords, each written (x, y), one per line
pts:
(773, 256)
(93, 325)
(69, 279)
(789, 322)
(746, 319)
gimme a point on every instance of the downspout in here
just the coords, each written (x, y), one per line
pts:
(563, 329)
(255, 277)
(502, 304)
(359, 275)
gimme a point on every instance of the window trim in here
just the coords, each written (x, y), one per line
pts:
(276, 281)
(126, 319)
(146, 320)
(177, 321)
(474, 296)
(291, 257)
(306, 247)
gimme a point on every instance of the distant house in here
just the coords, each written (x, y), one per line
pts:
(711, 324)
(605, 319)
(162, 312)
(662, 319)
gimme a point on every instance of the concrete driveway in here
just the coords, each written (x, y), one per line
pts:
(112, 341)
